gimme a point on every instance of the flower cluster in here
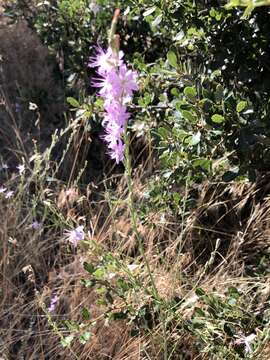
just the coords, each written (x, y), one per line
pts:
(74, 236)
(117, 84)
(53, 303)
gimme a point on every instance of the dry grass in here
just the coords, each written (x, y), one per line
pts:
(35, 265)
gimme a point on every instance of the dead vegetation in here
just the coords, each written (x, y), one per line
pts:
(33, 266)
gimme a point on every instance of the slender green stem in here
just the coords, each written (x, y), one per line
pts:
(56, 329)
(133, 213)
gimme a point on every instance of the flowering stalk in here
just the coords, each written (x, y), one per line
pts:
(117, 84)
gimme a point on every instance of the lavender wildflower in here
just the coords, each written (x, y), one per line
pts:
(105, 61)
(74, 236)
(117, 84)
(53, 303)
(35, 225)
(123, 83)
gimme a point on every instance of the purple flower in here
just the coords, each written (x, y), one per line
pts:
(53, 303)
(35, 225)
(104, 85)
(113, 133)
(117, 113)
(117, 84)
(123, 82)
(74, 236)
(105, 61)
(117, 151)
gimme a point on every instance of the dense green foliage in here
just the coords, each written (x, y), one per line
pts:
(204, 74)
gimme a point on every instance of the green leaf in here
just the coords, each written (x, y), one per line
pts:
(218, 16)
(219, 93)
(86, 314)
(73, 102)
(234, 292)
(174, 91)
(122, 284)
(176, 198)
(86, 336)
(89, 267)
(232, 4)
(179, 133)
(71, 325)
(232, 302)
(205, 164)
(88, 283)
(118, 315)
(101, 290)
(187, 115)
(66, 342)
(172, 58)
(99, 273)
(218, 119)
(146, 100)
(190, 92)
(248, 10)
(198, 323)
(163, 132)
(212, 12)
(241, 106)
(101, 302)
(206, 93)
